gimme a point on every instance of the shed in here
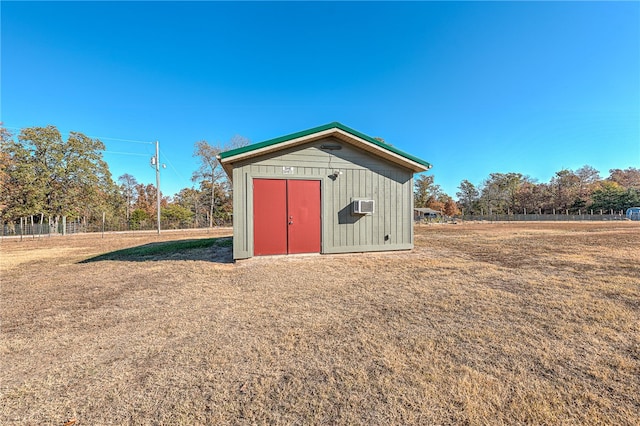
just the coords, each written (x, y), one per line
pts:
(421, 213)
(633, 213)
(330, 189)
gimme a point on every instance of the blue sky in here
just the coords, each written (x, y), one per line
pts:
(473, 88)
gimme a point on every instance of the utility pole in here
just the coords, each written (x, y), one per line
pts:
(158, 182)
(155, 161)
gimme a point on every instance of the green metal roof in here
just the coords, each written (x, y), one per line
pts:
(334, 125)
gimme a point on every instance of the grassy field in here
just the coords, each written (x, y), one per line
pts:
(514, 323)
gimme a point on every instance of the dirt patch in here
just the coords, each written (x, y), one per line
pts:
(480, 323)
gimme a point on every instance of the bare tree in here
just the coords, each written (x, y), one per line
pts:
(128, 187)
(566, 187)
(210, 173)
(628, 178)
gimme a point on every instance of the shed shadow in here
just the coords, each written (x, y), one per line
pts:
(345, 216)
(217, 250)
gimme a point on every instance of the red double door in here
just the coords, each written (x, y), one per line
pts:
(286, 216)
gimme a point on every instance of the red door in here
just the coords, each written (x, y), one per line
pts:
(303, 210)
(286, 216)
(269, 216)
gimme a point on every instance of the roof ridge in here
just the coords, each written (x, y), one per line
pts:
(333, 124)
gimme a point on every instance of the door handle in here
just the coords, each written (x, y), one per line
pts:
(290, 220)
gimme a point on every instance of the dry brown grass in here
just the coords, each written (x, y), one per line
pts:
(480, 324)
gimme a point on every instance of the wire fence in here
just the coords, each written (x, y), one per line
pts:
(524, 218)
(543, 217)
(27, 229)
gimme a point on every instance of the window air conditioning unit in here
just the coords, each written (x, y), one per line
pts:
(363, 207)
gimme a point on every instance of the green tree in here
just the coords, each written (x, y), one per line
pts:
(6, 162)
(499, 192)
(467, 196)
(613, 196)
(20, 193)
(138, 217)
(113, 204)
(426, 192)
(191, 199)
(176, 214)
(56, 177)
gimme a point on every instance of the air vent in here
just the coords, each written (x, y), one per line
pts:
(363, 207)
(331, 147)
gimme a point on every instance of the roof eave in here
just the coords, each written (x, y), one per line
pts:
(335, 129)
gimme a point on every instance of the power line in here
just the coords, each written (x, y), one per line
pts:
(122, 140)
(125, 153)
(165, 157)
(89, 136)
(174, 169)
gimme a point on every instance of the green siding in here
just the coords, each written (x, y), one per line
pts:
(363, 176)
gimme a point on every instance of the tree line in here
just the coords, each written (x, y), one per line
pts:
(580, 191)
(47, 179)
